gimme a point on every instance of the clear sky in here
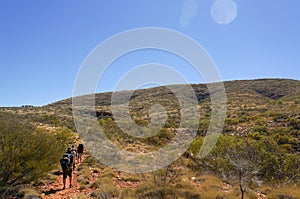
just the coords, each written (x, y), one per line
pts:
(43, 42)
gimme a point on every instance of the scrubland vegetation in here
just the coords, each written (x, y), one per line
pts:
(257, 155)
(27, 154)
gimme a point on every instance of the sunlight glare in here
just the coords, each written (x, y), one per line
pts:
(224, 11)
(188, 12)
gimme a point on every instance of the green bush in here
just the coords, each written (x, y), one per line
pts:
(295, 123)
(262, 159)
(26, 153)
(196, 145)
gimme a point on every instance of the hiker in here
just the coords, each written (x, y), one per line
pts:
(80, 152)
(66, 165)
(73, 153)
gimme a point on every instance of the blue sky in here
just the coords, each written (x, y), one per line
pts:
(43, 43)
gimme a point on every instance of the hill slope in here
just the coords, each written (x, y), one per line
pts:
(251, 96)
(262, 125)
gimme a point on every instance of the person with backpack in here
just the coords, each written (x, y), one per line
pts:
(80, 152)
(66, 164)
(73, 153)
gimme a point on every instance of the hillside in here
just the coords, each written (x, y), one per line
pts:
(259, 146)
(245, 98)
(273, 89)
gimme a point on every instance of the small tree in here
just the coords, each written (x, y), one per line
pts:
(232, 158)
(244, 161)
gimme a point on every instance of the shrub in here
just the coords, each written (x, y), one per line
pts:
(105, 188)
(84, 176)
(128, 193)
(295, 123)
(100, 182)
(196, 145)
(108, 172)
(156, 192)
(26, 153)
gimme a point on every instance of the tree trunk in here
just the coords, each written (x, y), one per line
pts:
(241, 183)
(242, 190)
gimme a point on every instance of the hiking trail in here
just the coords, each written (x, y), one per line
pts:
(55, 191)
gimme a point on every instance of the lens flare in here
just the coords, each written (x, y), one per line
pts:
(224, 11)
(188, 12)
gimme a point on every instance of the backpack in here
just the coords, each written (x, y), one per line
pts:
(80, 148)
(66, 161)
(73, 152)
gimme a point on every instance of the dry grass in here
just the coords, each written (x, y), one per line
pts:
(105, 188)
(108, 172)
(288, 191)
(83, 179)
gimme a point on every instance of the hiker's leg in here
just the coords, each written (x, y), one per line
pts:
(70, 177)
(79, 157)
(64, 180)
(70, 181)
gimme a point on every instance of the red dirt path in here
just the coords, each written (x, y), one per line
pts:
(54, 190)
